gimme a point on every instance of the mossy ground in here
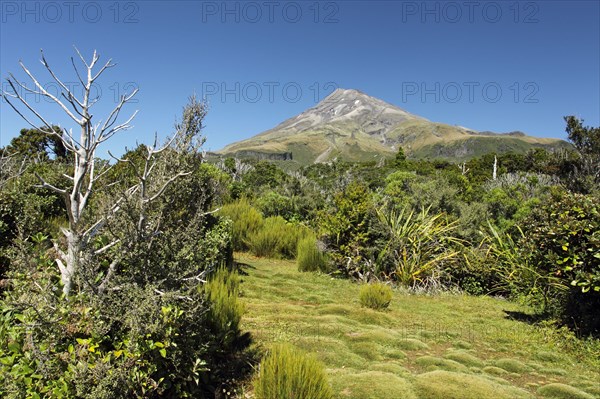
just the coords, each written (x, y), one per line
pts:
(423, 347)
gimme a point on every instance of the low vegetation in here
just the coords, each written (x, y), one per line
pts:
(375, 296)
(310, 258)
(447, 345)
(117, 278)
(286, 372)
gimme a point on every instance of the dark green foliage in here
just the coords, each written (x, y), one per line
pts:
(586, 174)
(586, 139)
(274, 204)
(351, 229)
(34, 144)
(288, 373)
(139, 321)
(26, 209)
(400, 158)
(129, 343)
(375, 296)
(562, 241)
(310, 257)
(175, 235)
(265, 175)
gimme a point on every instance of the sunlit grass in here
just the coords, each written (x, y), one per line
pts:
(421, 347)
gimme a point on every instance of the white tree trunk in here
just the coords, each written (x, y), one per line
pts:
(83, 150)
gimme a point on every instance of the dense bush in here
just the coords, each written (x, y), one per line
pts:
(288, 373)
(138, 321)
(352, 231)
(26, 209)
(274, 204)
(277, 238)
(562, 241)
(246, 219)
(132, 342)
(376, 296)
(310, 257)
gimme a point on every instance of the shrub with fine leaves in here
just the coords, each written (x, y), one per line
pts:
(376, 296)
(288, 373)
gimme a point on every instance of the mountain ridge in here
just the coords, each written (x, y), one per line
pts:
(351, 125)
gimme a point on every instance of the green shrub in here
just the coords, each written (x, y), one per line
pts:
(246, 219)
(287, 373)
(274, 204)
(352, 230)
(222, 292)
(132, 342)
(562, 243)
(277, 238)
(310, 258)
(375, 296)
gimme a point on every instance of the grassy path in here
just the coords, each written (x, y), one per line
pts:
(423, 347)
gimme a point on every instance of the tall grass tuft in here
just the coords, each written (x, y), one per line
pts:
(310, 258)
(222, 291)
(277, 238)
(246, 219)
(288, 373)
(376, 296)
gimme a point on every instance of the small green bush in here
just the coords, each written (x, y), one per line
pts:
(310, 258)
(246, 219)
(274, 204)
(277, 238)
(288, 373)
(375, 296)
(222, 292)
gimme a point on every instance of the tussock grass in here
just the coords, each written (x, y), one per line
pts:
(464, 358)
(375, 296)
(493, 370)
(374, 384)
(287, 373)
(323, 316)
(246, 219)
(562, 391)
(411, 344)
(310, 258)
(434, 363)
(448, 385)
(513, 365)
(276, 238)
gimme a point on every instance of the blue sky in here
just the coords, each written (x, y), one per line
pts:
(487, 65)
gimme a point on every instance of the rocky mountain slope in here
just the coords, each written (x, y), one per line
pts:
(353, 126)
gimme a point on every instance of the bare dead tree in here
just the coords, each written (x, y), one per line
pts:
(91, 134)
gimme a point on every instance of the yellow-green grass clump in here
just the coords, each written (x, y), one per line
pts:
(464, 358)
(288, 373)
(375, 296)
(441, 384)
(513, 365)
(373, 384)
(310, 258)
(562, 391)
